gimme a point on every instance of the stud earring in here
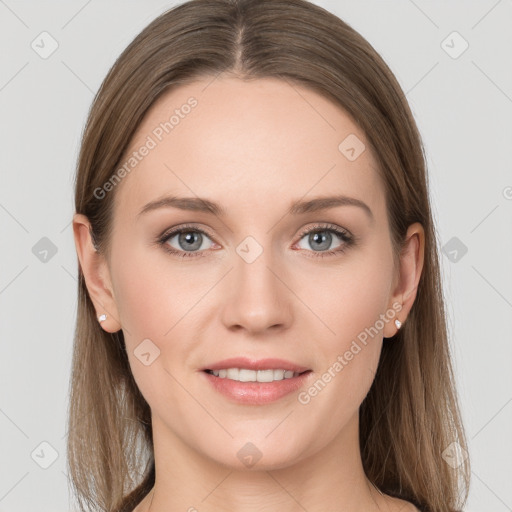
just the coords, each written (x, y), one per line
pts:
(398, 323)
(102, 318)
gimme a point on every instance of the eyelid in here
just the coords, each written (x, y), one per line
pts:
(342, 233)
(347, 239)
(326, 226)
(177, 229)
(193, 227)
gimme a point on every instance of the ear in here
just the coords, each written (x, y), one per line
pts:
(96, 274)
(406, 283)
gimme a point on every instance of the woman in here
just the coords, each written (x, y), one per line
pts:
(260, 320)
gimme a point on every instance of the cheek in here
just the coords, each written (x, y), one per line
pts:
(153, 293)
(352, 305)
(140, 299)
(159, 301)
(350, 298)
(152, 298)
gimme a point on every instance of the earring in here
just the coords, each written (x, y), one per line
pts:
(398, 323)
(102, 318)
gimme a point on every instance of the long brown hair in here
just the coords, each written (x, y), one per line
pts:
(411, 414)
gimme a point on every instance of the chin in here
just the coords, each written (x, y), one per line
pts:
(259, 453)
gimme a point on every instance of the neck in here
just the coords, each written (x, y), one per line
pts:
(329, 479)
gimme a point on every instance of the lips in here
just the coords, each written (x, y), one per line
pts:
(242, 389)
(260, 364)
(245, 375)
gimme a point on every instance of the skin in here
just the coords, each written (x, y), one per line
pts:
(253, 147)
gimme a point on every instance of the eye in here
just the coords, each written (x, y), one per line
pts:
(321, 237)
(185, 241)
(191, 241)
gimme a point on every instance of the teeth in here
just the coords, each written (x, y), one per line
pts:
(244, 375)
(232, 373)
(267, 375)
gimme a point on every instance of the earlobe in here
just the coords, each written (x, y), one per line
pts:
(410, 269)
(96, 275)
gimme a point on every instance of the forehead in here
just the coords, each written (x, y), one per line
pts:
(241, 142)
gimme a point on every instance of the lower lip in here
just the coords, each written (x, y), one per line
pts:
(256, 393)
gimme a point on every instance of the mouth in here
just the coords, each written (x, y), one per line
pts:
(249, 382)
(262, 376)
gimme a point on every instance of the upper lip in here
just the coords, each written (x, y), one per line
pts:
(260, 364)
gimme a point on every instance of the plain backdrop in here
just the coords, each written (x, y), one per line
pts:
(454, 61)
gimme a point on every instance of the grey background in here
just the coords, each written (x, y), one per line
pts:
(463, 109)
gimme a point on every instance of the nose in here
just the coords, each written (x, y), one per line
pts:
(256, 297)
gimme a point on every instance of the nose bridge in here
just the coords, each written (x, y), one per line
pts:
(256, 299)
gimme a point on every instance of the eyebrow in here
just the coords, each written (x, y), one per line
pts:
(297, 207)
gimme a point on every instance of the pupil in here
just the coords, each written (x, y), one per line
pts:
(323, 238)
(191, 240)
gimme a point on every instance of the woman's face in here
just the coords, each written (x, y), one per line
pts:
(247, 280)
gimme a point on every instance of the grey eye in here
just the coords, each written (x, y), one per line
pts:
(319, 240)
(188, 241)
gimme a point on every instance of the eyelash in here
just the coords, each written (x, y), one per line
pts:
(347, 239)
